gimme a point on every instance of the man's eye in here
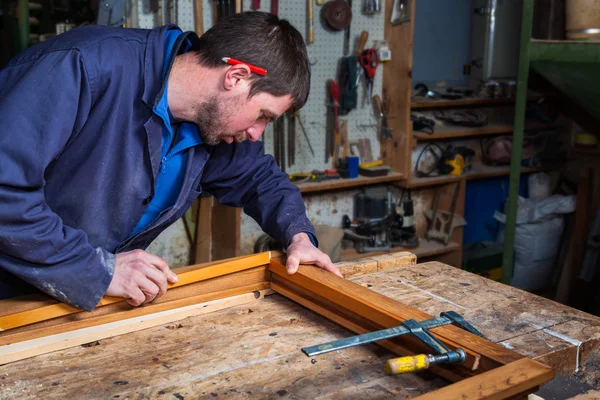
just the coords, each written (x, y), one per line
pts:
(264, 117)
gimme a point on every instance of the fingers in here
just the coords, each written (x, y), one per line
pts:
(292, 265)
(161, 265)
(140, 277)
(326, 264)
(315, 256)
(136, 298)
(156, 283)
(333, 269)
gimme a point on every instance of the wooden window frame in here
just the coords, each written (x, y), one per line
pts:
(34, 325)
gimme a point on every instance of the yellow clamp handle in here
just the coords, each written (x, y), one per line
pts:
(406, 365)
(302, 175)
(371, 164)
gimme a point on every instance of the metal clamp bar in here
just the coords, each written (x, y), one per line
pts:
(458, 320)
(424, 336)
(371, 337)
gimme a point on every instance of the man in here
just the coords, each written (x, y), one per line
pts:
(108, 135)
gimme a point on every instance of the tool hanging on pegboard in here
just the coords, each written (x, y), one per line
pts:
(333, 127)
(313, 119)
(369, 60)
(381, 110)
(279, 142)
(172, 11)
(347, 33)
(226, 8)
(291, 142)
(336, 15)
(371, 7)
(305, 134)
(310, 23)
(348, 78)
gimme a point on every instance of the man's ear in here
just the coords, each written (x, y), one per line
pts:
(235, 76)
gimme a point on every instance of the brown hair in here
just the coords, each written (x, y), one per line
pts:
(264, 40)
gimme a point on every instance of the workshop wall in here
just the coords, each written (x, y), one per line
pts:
(442, 41)
(173, 244)
(328, 209)
(324, 55)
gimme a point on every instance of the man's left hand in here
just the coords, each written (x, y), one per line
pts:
(302, 251)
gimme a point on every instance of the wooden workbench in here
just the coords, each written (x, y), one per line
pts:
(253, 350)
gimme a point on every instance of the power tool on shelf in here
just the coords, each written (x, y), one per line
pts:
(449, 160)
(377, 226)
(375, 218)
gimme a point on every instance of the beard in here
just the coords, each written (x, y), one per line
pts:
(211, 118)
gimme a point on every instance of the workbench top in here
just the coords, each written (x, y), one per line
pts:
(253, 350)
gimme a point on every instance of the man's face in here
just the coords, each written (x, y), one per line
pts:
(238, 118)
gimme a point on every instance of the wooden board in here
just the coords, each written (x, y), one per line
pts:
(72, 338)
(232, 364)
(477, 171)
(427, 248)
(420, 102)
(384, 312)
(397, 79)
(250, 351)
(337, 184)
(488, 130)
(244, 282)
(525, 323)
(500, 121)
(245, 354)
(10, 319)
(500, 383)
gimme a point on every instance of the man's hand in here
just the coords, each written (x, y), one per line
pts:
(140, 277)
(301, 250)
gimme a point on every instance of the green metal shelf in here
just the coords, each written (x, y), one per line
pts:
(569, 51)
(572, 67)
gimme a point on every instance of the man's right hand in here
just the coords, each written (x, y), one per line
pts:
(140, 277)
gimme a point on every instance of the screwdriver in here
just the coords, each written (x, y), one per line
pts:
(335, 96)
(334, 87)
(364, 36)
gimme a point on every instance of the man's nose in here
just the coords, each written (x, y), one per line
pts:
(255, 131)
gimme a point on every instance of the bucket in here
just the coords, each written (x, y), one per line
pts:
(583, 19)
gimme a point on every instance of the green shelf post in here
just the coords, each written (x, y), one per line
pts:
(517, 143)
(23, 20)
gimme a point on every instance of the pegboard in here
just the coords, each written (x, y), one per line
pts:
(324, 55)
(184, 16)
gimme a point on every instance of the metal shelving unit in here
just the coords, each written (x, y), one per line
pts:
(572, 67)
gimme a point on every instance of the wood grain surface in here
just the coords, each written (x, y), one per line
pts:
(254, 351)
(48, 309)
(250, 351)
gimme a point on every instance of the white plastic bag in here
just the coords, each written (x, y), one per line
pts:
(537, 239)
